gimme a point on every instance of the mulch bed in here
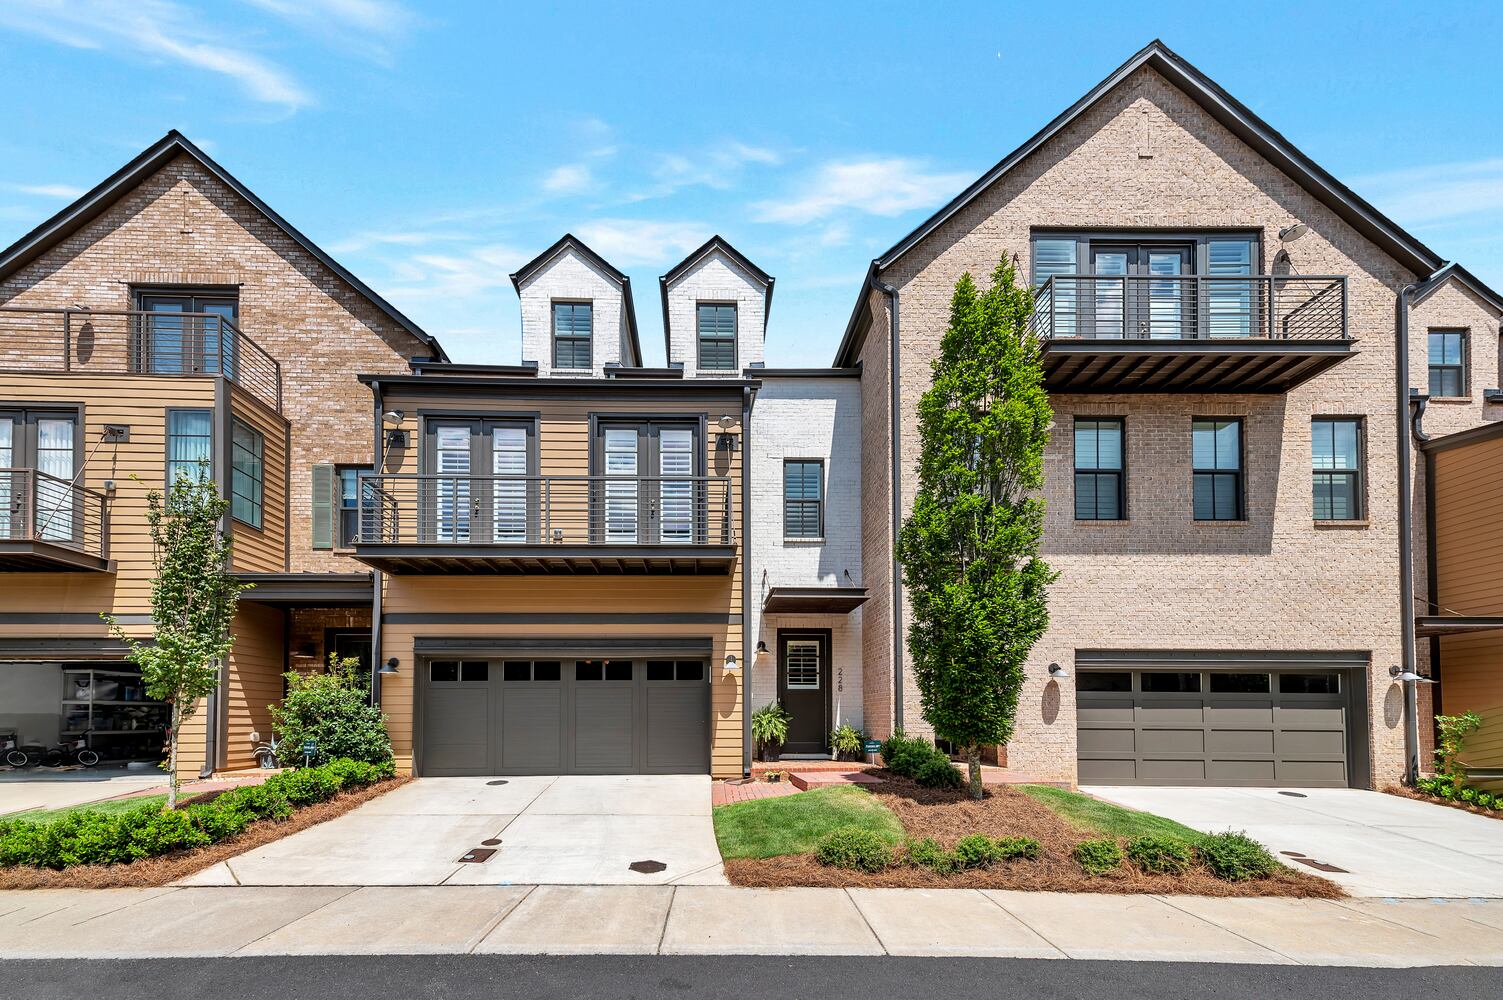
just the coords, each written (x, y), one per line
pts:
(168, 868)
(1004, 812)
(1405, 792)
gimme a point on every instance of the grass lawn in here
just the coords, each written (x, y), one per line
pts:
(110, 806)
(794, 824)
(1105, 819)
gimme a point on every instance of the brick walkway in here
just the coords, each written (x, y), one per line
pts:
(723, 793)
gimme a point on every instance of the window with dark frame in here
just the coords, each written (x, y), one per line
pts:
(1448, 363)
(573, 325)
(803, 498)
(1100, 485)
(247, 472)
(1216, 458)
(717, 336)
(1336, 452)
(190, 444)
(349, 503)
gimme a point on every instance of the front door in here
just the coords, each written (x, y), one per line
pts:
(480, 486)
(647, 493)
(804, 689)
(1152, 300)
(174, 343)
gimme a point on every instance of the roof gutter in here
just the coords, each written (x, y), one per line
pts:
(894, 415)
(376, 588)
(1406, 423)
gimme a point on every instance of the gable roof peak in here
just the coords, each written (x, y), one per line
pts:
(571, 242)
(720, 243)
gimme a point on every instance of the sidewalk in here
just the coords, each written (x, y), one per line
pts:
(711, 920)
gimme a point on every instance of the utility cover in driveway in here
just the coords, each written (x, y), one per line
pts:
(586, 716)
(1233, 726)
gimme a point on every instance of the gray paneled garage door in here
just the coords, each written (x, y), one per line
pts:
(1190, 724)
(565, 716)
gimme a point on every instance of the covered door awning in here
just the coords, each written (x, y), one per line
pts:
(813, 600)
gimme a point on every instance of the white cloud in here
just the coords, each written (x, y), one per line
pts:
(405, 238)
(48, 190)
(1441, 191)
(630, 242)
(370, 27)
(719, 166)
(571, 178)
(876, 186)
(157, 30)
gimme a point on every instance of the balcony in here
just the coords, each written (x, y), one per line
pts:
(1193, 333)
(547, 524)
(50, 525)
(132, 342)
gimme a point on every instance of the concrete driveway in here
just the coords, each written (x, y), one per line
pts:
(572, 830)
(1389, 846)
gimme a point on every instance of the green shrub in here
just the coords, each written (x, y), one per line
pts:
(928, 853)
(1018, 848)
(1160, 855)
(939, 772)
(1235, 857)
(165, 831)
(219, 822)
(977, 851)
(1469, 795)
(769, 726)
(259, 801)
(1487, 800)
(1098, 857)
(848, 743)
(333, 710)
(359, 773)
(306, 786)
(855, 848)
(1446, 792)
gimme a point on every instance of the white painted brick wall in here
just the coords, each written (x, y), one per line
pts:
(716, 278)
(569, 277)
(807, 418)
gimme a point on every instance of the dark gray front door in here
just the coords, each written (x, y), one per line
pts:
(804, 688)
(1234, 726)
(574, 716)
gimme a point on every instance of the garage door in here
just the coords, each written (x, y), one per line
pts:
(558, 716)
(1227, 726)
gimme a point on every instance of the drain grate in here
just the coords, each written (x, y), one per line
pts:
(647, 867)
(498, 781)
(493, 842)
(1295, 795)
(478, 856)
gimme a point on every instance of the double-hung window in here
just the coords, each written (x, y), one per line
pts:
(803, 498)
(1448, 362)
(350, 503)
(1100, 487)
(247, 472)
(573, 323)
(1216, 457)
(1336, 455)
(190, 445)
(717, 336)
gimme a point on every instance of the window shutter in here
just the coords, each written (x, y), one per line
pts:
(323, 506)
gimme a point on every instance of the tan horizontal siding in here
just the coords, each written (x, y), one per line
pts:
(1467, 485)
(254, 680)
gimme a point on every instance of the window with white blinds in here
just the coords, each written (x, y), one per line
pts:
(620, 453)
(509, 500)
(801, 664)
(676, 489)
(451, 461)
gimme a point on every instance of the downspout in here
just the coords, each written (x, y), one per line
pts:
(376, 573)
(1406, 540)
(748, 397)
(894, 416)
(220, 465)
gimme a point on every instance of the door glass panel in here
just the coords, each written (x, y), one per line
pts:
(9, 498)
(1109, 295)
(54, 494)
(516, 670)
(1055, 257)
(801, 663)
(546, 670)
(164, 337)
(218, 338)
(440, 671)
(691, 670)
(451, 460)
(660, 670)
(1229, 302)
(618, 671)
(676, 491)
(621, 512)
(509, 464)
(588, 670)
(474, 670)
(1165, 294)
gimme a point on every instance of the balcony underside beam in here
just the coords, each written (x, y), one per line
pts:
(43, 557)
(585, 560)
(1229, 366)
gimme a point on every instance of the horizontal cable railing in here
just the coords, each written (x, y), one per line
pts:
(1191, 307)
(545, 510)
(38, 507)
(124, 342)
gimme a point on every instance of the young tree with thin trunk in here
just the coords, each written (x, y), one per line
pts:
(969, 548)
(193, 601)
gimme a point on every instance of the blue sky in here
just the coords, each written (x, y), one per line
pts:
(433, 149)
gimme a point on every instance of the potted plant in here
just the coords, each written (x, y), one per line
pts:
(769, 725)
(847, 743)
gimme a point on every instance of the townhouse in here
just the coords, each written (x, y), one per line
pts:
(1229, 337)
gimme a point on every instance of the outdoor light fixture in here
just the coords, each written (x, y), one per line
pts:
(725, 439)
(1057, 672)
(761, 647)
(392, 418)
(1407, 676)
(730, 661)
(396, 439)
(1291, 233)
(390, 666)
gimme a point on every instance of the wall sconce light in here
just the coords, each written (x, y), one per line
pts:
(1057, 672)
(396, 439)
(761, 647)
(389, 667)
(730, 661)
(392, 418)
(727, 440)
(1398, 673)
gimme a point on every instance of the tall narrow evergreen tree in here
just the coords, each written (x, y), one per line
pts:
(969, 548)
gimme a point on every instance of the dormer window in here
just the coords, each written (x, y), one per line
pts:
(717, 336)
(573, 323)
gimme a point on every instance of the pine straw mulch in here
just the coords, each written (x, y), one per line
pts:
(168, 868)
(1405, 792)
(1004, 812)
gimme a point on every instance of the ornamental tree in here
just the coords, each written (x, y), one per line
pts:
(969, 548)
(193, 600)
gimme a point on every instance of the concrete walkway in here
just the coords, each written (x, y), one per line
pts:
(720, 920)
(1387, 845)
(572, 830)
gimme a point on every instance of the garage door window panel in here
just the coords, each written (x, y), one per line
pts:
(1235, 683)
(1104, 681)
(1170, 682)
(1325, 682)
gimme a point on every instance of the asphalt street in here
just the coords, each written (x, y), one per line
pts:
(712, 978)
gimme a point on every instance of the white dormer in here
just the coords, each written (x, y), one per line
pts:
(715, 305)
(577, 312)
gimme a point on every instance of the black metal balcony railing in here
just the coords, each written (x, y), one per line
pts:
(1191, 307)
(117, 342)
(40, 508)
(444, 510)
